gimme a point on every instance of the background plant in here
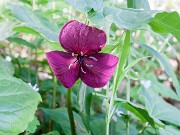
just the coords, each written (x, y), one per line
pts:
(142, 96)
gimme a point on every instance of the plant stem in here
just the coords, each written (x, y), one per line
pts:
(128, 99)
(107, 126)
(54, 93)
(70, 112)
(53, 102)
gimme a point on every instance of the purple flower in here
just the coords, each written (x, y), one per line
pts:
(82, 43)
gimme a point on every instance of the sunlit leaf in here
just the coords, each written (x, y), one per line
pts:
(169, 130)
(122, 59)
(40, 24)
(138, 4)
(16, 104)
(166, 22)
(86, 5)
(32, 126)
(6, 68)
(129, 19)
(6, 29)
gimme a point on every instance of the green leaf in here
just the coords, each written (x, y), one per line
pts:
(169, 130)
(52, 133)
(138, 4)
(160, 109)
(21, 41)
(6, 68)
(86, 5)
(129, 19)
(25, 29)
(6, 29)
(122, 60)
(36, 22)
(98, 18)
(84, 100)
(98, 126)
(160, 88)
(166, 22)
(32, 126)
(138, 111)
(17, 106)
(166, 65)
(128, 68)
(109, 48)
(60, 116)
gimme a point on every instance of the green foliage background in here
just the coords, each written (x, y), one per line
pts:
(143, 96)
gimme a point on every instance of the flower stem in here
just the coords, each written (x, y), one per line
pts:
(128, 99)
(70, 112)
(53, 102)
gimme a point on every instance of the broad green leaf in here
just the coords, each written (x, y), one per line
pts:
(98, 125)
(98, 18)
(60, 116)
(40, 24)
(166, 22)
(17, 106)
(160, 109)
(138, 111)
(6, 29)
(164, 90)
(138, 4)
(169, 130)
(129, 19)
(6, 68)
(22, 42)
(32, 126)
(25, 29)
(86, 5)
(160, 88)
(166, 65)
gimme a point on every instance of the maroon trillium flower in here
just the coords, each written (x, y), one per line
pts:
(82, 43)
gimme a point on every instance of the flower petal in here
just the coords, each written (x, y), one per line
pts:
(62, 65)
(80, 38)
(98, 69)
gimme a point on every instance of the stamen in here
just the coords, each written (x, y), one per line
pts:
(82, 70)
(81, 53)
(91, 57)
(70, 65)
(72, 53)
(88, 65)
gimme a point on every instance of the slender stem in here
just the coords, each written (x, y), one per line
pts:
(128, 99)
(107, 126)
(107, 92)
(70, 112)
(53, 102)
(54, 93)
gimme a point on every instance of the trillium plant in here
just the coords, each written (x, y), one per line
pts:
(82, 59)
(89, 67)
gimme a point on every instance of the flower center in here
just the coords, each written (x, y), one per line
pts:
(80, 59)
